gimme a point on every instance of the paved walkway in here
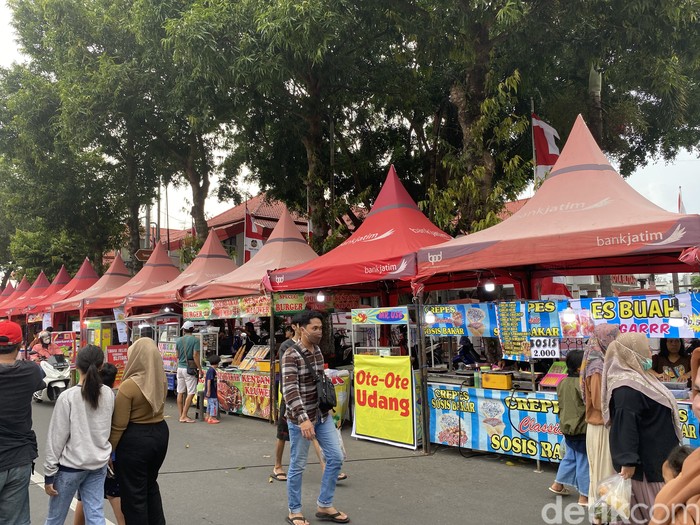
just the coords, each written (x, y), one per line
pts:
(219, 474)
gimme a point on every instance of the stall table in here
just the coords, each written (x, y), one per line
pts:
(510, 422)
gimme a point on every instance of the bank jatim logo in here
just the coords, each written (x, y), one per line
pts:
(279, 279)
(434, 257)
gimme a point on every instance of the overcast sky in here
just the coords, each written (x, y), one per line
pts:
(658, 182)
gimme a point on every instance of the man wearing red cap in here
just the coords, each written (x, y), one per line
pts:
(18, 449)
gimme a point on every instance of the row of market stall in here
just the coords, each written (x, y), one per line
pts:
(584, 220)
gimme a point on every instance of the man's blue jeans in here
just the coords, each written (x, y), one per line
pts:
(327, 437)
(14, 495)
(91, 484)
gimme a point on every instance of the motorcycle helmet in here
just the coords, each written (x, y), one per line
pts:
(45, 337)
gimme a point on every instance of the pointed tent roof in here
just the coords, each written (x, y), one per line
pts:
(22, 287)
(7, 292)
(584, 220)
(382, 248)
(40, 284)
(62, 279)
(83, 280)
(211, 262)
(114, 277)
(158, 270)
(284, 247)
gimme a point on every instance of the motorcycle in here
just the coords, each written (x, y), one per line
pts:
(56, 378)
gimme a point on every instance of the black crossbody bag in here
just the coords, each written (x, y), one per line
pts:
(324, 386)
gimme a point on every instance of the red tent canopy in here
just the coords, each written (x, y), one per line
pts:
(158, 270)
(382, 248)
(61, 280)
(114, 277)
(15, 307)
(83, 280)
(584, 220)
(22, 287)
(285, 247)
(212, 261)
(7, 292)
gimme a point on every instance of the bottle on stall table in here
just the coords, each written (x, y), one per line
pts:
(477, 378)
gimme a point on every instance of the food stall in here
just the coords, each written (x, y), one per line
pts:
(386, 390)
(164, 328)
(110, 334)
(244, 385)
(516, 418)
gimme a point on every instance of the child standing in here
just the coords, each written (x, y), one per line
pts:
(210, 391)
(77, 447)
(573, 469)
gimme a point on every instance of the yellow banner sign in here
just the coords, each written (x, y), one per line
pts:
(384, 399)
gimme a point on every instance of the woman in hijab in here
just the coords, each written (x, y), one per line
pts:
(678, 503)
(140, 434)
(597, 434)
(643, 419)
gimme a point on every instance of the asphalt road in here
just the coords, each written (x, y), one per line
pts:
(219, 474)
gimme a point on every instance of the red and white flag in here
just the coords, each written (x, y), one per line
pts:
(681, 206)
(253, 237)
(546, 150)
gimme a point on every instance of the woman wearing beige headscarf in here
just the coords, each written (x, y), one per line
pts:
(591, 377)
(140, 434)
(643, 419)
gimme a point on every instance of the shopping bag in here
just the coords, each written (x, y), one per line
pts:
(613, 497)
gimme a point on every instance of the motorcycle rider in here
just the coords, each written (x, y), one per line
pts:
(44, 348)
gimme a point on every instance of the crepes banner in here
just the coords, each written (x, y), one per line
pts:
(398, 315)
(524, 424)
(477, 319)
(384, 400)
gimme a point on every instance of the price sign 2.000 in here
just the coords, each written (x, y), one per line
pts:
(544, 347)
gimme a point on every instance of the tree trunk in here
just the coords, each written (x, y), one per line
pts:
(467, 96)
(133, 206)
(313, 143)
(199, 182)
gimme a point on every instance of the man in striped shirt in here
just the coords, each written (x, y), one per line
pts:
(307, 422)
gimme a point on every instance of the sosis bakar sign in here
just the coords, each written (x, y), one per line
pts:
(524, 425)
(384, 400)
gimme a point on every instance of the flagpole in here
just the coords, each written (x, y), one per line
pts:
(532, 139)
(245, 230)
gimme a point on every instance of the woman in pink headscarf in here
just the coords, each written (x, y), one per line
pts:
(597, 435)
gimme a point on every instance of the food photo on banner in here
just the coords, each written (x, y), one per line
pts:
(649, 315)
(523, 424)
(477, 320)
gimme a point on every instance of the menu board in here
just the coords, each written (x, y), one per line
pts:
(512, 329)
